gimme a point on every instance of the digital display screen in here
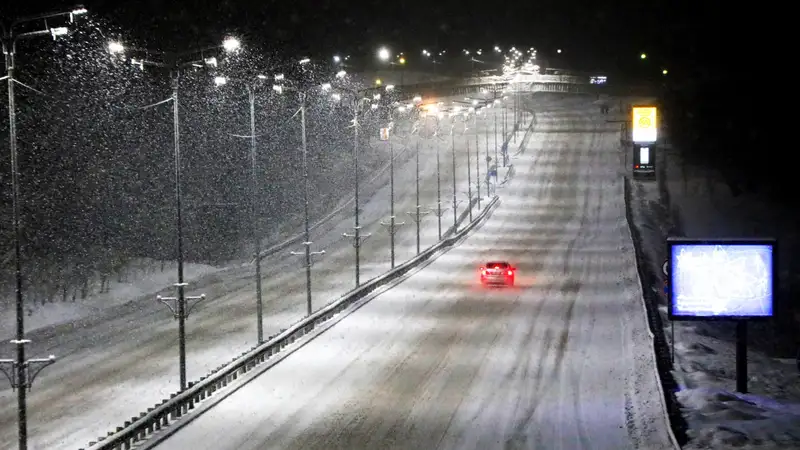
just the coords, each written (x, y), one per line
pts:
(644, 155)
(724, 279)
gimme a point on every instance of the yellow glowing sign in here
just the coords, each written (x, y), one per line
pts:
(645, 125)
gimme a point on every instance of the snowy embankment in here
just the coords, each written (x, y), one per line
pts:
(695, 202)
(142, 278)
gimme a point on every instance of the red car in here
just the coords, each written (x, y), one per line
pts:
(498, 273)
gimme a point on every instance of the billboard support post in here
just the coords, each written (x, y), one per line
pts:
(741, 356)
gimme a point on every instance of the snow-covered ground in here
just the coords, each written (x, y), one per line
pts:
(700, 204)
(123, 359)
(563, 360)
(144, 278)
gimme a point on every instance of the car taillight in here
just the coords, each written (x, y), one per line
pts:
(510, 273)
(483, 271)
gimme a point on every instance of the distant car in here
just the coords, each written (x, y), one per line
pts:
(498, 273)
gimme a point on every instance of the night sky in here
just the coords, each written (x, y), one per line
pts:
(720, 55)
(686, 36)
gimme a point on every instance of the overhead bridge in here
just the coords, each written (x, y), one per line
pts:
(497, 85)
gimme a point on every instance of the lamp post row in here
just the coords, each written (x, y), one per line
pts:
(22, 372)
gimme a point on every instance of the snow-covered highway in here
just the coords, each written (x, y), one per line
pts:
(563, 361)
(124, 360)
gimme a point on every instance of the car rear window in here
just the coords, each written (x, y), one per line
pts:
(499, 264)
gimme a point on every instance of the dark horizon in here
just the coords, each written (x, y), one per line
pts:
(684, 37)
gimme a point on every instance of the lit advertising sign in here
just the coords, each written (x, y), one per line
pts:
(721, 279)
(644, 155)
(645, 124)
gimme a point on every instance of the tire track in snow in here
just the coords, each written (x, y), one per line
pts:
(562, 195)
(589, 232)
(388, 405)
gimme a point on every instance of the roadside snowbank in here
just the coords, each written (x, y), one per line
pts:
(698, 204)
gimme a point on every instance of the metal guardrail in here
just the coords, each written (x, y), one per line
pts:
(148, 423)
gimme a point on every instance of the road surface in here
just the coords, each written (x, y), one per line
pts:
(562, 361)
(124, 360)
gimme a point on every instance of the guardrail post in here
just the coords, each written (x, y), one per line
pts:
(181, 306)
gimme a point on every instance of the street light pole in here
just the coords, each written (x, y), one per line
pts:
(19, 371)
(357, 236)
(488, 171)
(393, 224)
(496, 156)
(181, 305)
(469, 182)
(439, 211)
(417, 214)
(178, 305)
(455, 205)
(357, 227)
(20, 340)
(505, 122)
(478, 162)
(255, 227)
(179, 224)
(305, 208)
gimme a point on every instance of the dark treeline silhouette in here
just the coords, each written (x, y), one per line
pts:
(97, 169)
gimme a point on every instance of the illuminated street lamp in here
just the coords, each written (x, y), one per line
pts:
(20, 371)
(383, 54)
(664, 72)
(231, 44)
(643, 56)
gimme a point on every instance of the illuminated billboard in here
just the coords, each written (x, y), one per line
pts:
(721, 279)
(645, 124)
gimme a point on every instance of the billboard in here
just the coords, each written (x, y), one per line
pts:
(645, 124)
(721, 278)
